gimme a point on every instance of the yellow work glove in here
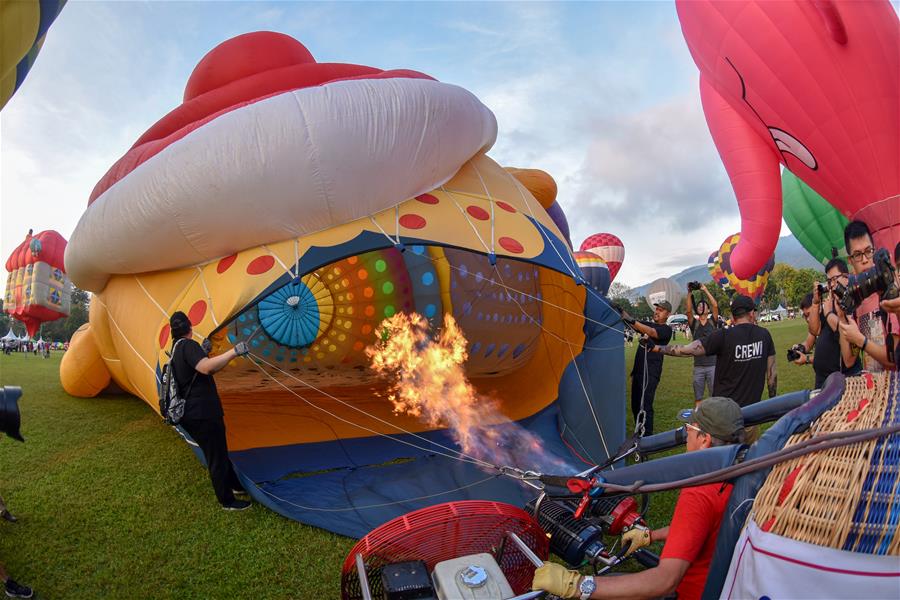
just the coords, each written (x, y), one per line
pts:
(557, 580)
(635, 538)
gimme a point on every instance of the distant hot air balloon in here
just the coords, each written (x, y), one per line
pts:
(753, 287)
(816, 224)
(812, 85)
(715, 270)
(608, 247)
(37, 288)
(665, 289)
(595, 271)
(24, 25)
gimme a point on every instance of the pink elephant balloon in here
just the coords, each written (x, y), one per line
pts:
(812, 84)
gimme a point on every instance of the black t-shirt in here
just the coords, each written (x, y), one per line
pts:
(654, 359)
(742, 354)
(827, 357)
(201, 396)
(701, 332)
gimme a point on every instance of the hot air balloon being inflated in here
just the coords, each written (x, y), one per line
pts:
(37, 288)
(608, 247)
(595, 270)
(300, 232)
(817, 225)
(810, 85)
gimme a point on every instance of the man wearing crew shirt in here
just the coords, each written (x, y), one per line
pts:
(745, 357)
(647, 369)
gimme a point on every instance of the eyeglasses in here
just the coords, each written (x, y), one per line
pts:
(694, 427)
(858, 255)
(835, 278)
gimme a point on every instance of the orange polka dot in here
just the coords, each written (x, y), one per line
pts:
(511, 245)
(352, 260)
(427, 199)
(478, 213)
(367, 329)
(164, 336)
(363, 274)
(358, 346)
(260, 265)
(505, 206)
(370, 310)
(225, 263)
(412, 221)
(368, 292)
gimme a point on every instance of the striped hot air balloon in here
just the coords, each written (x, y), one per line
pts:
(753, 287)
(609, 248)
(595, 270)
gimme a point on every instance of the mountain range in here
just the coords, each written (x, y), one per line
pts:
(787, 251)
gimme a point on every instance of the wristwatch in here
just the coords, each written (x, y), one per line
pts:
(586, 587)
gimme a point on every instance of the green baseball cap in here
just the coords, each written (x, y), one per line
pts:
(665, 305)
(718, 416)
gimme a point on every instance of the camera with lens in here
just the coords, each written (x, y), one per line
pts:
(693, 286)
(10, 420)
(877, 280)
(795, 352)
(822, 289)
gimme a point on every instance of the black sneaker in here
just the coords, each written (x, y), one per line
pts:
(15, 590)
(8, 516)
(237, 505)
(240, 492)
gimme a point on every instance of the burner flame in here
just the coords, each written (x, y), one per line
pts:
(428, 380)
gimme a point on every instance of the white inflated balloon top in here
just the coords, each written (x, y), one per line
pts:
(286, 166)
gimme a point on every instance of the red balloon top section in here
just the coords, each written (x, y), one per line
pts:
(52, 250)
(242, 56)
(600, 239)
(240, 71)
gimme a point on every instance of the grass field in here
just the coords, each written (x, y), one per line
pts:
(113, 504)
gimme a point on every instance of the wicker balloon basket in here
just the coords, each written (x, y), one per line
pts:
(846, 497)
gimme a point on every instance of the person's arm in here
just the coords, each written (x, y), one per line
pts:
(690, 308)
(695, 348)
(814, 323)
(772, 377)
(646, 330)
(659, 581)
(891, 306)
(214, 364)
(850, 330)
(713, 305)
(848, 353)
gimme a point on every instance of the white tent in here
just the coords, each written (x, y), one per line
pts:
(10, 337)
(780, 311)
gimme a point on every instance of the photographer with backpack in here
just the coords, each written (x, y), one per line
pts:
(203, 419)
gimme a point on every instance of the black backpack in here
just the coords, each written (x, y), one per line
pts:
(171, 401)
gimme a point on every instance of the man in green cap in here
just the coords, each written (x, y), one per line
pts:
(690, 538)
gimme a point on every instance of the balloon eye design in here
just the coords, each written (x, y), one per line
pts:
(788, 143)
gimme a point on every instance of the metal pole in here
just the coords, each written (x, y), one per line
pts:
(529, 554)
(363, 579)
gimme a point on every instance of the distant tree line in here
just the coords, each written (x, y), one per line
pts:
(60, 330)
(786, 286)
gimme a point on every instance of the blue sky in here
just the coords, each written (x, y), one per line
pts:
(602, 95)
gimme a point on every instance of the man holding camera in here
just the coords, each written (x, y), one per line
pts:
(701, 326)
(872, 328)
(647, 369)
(824, 323)
(799, 353)
(203, 418)
(690, 539)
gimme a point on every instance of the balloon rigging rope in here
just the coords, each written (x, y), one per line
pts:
(462, 455)
(379, 505)
(587, 396)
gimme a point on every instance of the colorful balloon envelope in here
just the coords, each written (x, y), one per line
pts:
(595, 270)
(608, 247)
(37, 288)
(753, 287)
(24, 26)
(715, 270)
(816, 224)
(332, 202)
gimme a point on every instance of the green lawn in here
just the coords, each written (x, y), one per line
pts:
(112, 503)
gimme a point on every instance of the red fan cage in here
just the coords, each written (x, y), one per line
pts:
(446, 531)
